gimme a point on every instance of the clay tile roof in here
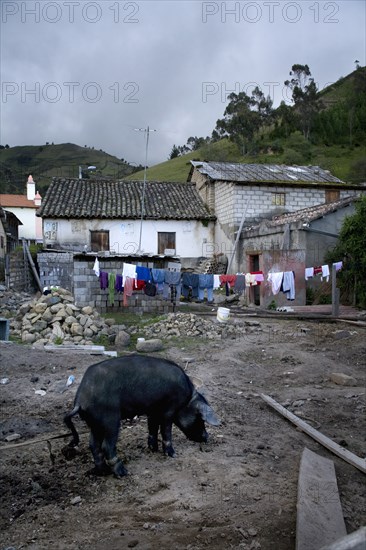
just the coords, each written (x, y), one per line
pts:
(19, 201)
(312, 213)
(74, 198)
(264, 173)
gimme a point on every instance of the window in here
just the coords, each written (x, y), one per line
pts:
(2, 241)
(99, 241)
(332, 195)
(166, 241)
(278, 199)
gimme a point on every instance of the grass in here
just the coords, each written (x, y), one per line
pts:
(337, 158)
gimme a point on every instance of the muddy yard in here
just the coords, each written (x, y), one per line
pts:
(237, 491)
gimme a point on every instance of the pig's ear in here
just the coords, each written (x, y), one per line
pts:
(207, 414)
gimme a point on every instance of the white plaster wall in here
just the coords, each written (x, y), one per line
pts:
(28, 218)
(191, 236)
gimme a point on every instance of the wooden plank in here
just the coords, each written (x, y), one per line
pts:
(319, 512)
(349, 457)
(354, 541)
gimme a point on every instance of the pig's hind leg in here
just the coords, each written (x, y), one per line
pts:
(95, 445)
(110, 451)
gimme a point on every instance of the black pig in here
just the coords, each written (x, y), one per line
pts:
(124, 387)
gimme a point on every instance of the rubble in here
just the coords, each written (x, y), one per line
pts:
(191, 325)
(55, 319)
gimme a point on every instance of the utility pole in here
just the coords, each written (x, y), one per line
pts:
(147, 132)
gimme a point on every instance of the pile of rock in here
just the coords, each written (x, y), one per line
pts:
(54, 318)
(191, 325)
(10, 301)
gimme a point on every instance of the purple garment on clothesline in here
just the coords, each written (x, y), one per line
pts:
(119, 283)
(103, 278)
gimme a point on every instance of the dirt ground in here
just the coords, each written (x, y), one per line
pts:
(237, 491)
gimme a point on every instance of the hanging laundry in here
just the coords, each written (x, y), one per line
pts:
(325, 272)
(150, 289)
(239, 285)
(318, 270)
(259, 277)
(139, 285)
(171, 278)
(111, 287)
(96, 267)
(143, 273)
(288, 284)
(276, 280)
(119, 283)
(338, 265)
(158, 277)
(190, 284)
(229, 279)
(250, 280)
(309, 272)
(103, 280)
(129, 270)
(217, 282)
(128, 289)
(205, 281)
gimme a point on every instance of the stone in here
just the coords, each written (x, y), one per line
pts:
(76, 329)
(28, 338)
(82, 319)
(55, 308)
(341, 334)
(88, 333)
(12, 437)
(343, 379)
(40, 307)
(87, 310)
(122, 340)
(148, 346)
(70, 320)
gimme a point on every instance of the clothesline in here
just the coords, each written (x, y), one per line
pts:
(175, 283)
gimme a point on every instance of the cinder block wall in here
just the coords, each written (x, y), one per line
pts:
(76, 275)
(56, 269)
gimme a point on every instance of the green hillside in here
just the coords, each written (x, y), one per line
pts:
(62, 160)
(338, 141)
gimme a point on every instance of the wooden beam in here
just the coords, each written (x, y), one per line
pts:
(319, 512)
(349, 457)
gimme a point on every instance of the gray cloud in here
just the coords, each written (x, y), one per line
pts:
(91, 72)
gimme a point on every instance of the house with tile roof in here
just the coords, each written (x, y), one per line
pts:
(242, 195)
(24, 207)
(292, 242)
(112, 218)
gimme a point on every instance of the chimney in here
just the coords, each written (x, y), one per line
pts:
(31, 189)
(37, 199)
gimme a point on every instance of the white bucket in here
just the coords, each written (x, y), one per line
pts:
(223, 314)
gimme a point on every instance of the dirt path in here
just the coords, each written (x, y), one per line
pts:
(237, 491)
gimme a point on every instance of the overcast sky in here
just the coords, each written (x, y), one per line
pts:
(90, 72)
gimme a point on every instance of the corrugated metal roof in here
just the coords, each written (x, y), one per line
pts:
(262, 173)
(74, 198)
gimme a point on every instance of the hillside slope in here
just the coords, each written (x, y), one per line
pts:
(46, 161)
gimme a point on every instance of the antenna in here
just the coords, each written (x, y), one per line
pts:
(147, 132)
